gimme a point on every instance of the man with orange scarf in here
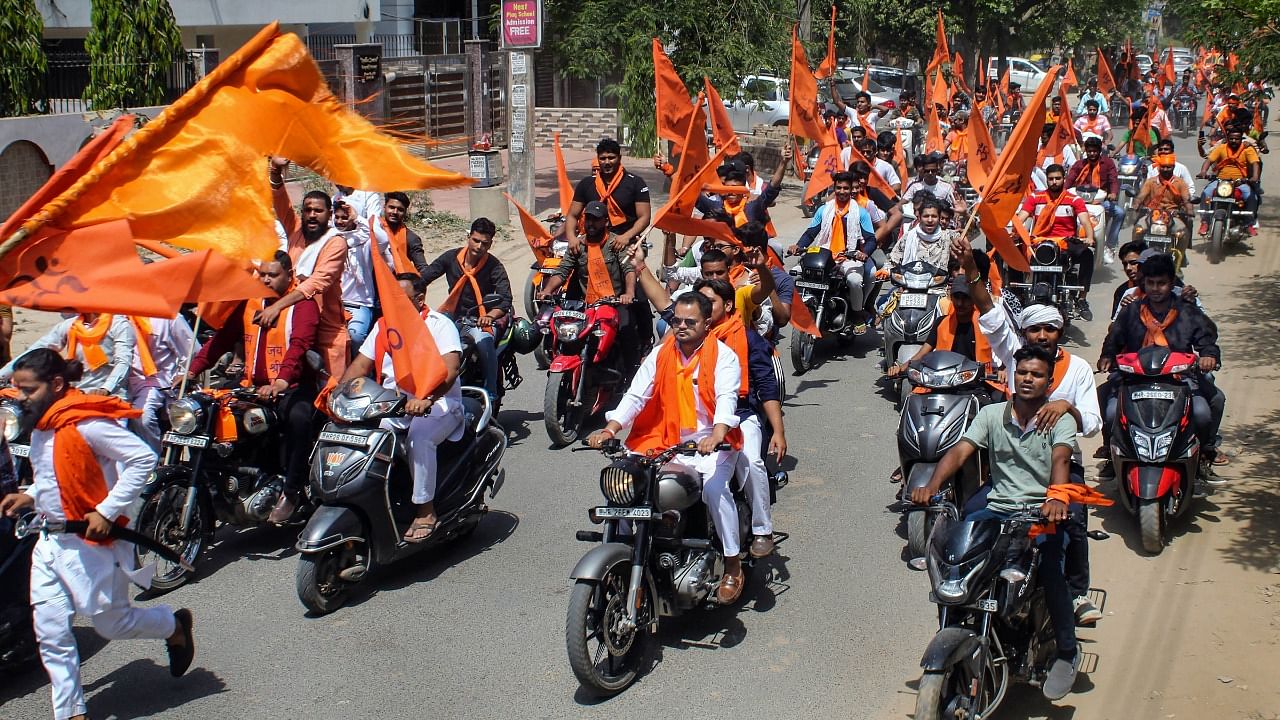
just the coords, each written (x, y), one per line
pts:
(1162, 317)
(844, 227)
(104, 344)
(162, 348)
(474, 274)
(625, 196)
(686, 390)
(741, 208)
(85, 467)
(1058, 213)
(957, 331)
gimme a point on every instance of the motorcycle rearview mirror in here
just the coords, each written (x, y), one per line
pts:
(1098, 535)
(315, 362)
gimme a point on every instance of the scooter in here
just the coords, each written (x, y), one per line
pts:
(911, 314)
(362, 481)
(586, 366)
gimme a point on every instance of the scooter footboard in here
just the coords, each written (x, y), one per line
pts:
(330, 526)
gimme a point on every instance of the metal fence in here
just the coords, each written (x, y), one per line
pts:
(321, 47)
(67, 78)
(429, 97)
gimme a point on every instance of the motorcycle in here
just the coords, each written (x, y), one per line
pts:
(910, 316)
(950, 390)
(1184, 114)
(1132, 172)
(1052, 280)
(586, 369)
(1226, 216)
(472, 369)
(659, 556)
(543, 263)
(361, 479)
(219, 463)
(1157, 228)
(1154, 447)
(17, 434)
(822, 287)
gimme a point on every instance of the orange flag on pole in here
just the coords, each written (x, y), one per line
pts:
(1106, 81)
(1064, 133)
(1008, 180)
(419, 368)
(673, 109)
(933, 140)
(900, 157)
(941, 51)
(982, 76)
(827, 67)
(980, 150)
(941, 93)
(694, 171)
(563, 185)
(804, 120)
(827, 164)
(537, 235)
(957, 73)
(1070, 81)
(874, 179)
(721, 125)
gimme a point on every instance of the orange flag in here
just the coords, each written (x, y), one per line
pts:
(1063, 135)
(1106, 81)
(982, 75)
(208, 276)
(537, 235)
(175, 178)
(941, 51)
(866, 78)
(562, 178)
(900, 157)
(419, 368)
(673, 105)
(694, 171)
(827, 67)
(957, 73)
(798, 158)
(721, 125)
(980, 150)
(1070, 81)
(941, 93)
(875, 179)
(827, 164)
(804, 120)
(1141, 130)
(933, 140)
(1008, 180)
(1233, 61)
(1170, 74)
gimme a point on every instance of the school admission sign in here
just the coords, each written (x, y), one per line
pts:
(521, 24)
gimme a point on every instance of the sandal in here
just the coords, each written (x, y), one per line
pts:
(730, 588)
(420, 530)
(860, 329)
(1221, 458)
(896, 477)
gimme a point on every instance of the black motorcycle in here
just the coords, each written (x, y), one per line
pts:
(472, 369)
(17, 434)
(1184, 114)
(219, 463)
(659, 556)
(822, 287)
(1226, 216)
(1054, 280)
(362, 482)
(911, 315)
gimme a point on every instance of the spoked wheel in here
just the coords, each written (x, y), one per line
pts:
(945, 695)
(161, 520)
(562, 418)
(319, 586)
(1217, 237)
(802, 352)
(604, 653)
(1151, 525)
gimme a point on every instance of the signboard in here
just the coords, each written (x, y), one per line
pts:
(521, 24)
(369, 64)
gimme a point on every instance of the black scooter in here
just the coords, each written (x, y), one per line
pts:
(362, 484)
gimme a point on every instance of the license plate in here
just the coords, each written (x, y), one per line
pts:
(192, 441)
(988, 605)
(811, 285)
(1046, 268)
(913, 300)
(1154, 395)
(20, 450)
(638, 513)
(569, 314)
(344, 438)
(1158, 238)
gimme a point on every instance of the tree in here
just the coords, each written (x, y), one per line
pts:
(1249, 28)
(22, 60)
(724, 40)
(132, 47)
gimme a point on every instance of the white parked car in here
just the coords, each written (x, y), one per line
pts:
(765, 99)
(1021, 71)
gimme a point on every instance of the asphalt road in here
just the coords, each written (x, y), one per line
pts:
(832, 625)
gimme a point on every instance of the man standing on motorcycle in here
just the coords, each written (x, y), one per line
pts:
(1233, 160)
(275, 364)
(1092, 94)
(1028, 456)
(665, 406)
(1093, 122)
(1058, 213)
(474, 274)
(1167, 193)
(428, 421)
(600, 269)
(88, 468)
(844, 227)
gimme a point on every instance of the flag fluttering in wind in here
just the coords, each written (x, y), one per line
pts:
(721, 125)
(1106, 81)
(827, 67)
(803, 119)
(672, 96)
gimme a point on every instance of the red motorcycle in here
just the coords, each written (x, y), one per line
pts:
(1154, 446)
(586, 367)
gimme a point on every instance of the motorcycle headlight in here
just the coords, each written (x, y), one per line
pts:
(1129, 168)
(1224, 190)
(569, 330)
(917, 281)
(1152, 448)
(354, 408)
(946, 378)
(951, 583)
(11, 416)
(619, 484)
(1159, 229)
(185, 415)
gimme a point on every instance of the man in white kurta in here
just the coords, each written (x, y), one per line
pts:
(169, 340)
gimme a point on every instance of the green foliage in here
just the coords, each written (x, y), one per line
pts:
(132, 46)
(1249, 28)
(724, 40)
(22, 60)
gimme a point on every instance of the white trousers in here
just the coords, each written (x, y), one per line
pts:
(716, 471)
(70, 577)
(852, 270)
(753, 474)
(425, 433)
(150, 400)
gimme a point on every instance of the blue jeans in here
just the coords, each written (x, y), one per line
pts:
(487, 346)
(1053, 578)
(360, 324)
(1116, 212)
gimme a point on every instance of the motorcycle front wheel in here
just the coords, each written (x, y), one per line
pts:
(605, 657)
(161, 520)
(1217, 236)
(918, 526)
(802, 352)
(562, 419)
(1151, 525)
(319, 587)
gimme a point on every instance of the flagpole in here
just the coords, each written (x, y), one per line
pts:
(14, 241)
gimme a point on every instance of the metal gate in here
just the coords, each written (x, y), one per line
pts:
(429, 98)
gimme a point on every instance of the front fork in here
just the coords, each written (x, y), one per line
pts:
(639, 561)
(193, 492)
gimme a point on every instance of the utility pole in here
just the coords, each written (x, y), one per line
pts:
(521, 34)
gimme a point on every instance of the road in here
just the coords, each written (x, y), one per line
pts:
(833, 625)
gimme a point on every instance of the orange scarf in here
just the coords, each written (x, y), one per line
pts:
(1090, 123)
(737, 212)
(737, 275)
(81, 485)
(1059, 369)
(399, 241)
(947, 335)
(89, 340)
(599, 282)
(733, 333)
(657, 427)
(1044, 221)
(1234, 158)
(1068, 493)
(276, 339)
(1155, 328)
(616, 216)
(142, 332)
(838, 241)
(468, 279)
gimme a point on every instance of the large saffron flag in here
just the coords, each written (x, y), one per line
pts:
(672, 96)
(563, 185)
(721, 126)
(1064, 133)
(827, 67)
(419, 368)
(827, 164)
(804, 119)
(538, 237)
(695, 170)
(980, 150)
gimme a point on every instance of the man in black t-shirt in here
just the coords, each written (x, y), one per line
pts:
(626, 195)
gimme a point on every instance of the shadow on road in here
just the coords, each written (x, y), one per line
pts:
(232, 544)
(1255, 309)
(1119, 522)
(517, 424)
(1251, 499)
(145, 689)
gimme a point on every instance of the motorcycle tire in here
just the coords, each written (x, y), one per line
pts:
(1151, 525)
(1217, 238)
(530, 307)
(319, 587)
(593, 607)
(802, 352)
(160, 519)
(562, 421)
(932, 694)
(918, 526)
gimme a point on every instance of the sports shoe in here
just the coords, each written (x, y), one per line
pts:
(1086, 613)
(1062, 676)
(1108, 255)
(1082, 307)
(1204, 228)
